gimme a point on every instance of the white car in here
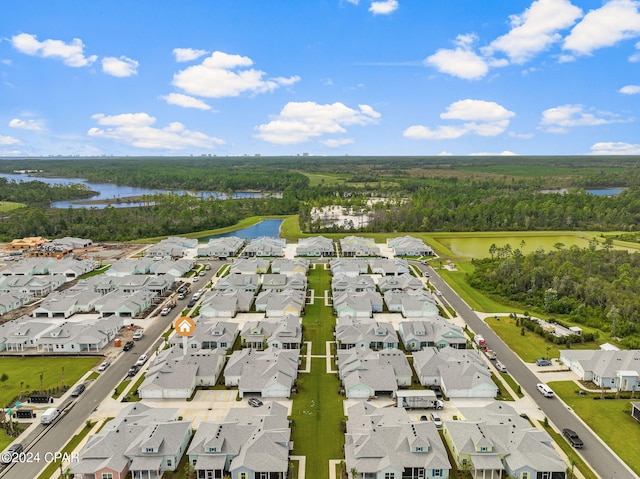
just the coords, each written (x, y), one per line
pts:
(104, 365)
(141, 360)
(138, 334)
(165, 311)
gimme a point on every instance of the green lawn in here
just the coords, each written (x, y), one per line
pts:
(601, 415)
(28, 371)
(318, 320)
(530, 346)
(6, 206)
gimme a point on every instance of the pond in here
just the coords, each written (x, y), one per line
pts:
(109, 192)
(270, 228)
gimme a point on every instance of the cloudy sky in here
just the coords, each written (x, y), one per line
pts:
(324, 77)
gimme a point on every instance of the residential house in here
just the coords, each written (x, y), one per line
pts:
(130, 266)
(409, 246)
(29, 267)
(265, 246)
(249, 266)
(400, 283)
(175, 375)
(282, 282)
(141, 442)
(290, 267)
(276, 333)
(412, 303)
(366, 373)
(385, 443)
(71, 243)
(239, 282)
(316, 246)
(172, 247)
(358, 305)
(23, 333)
(350, 267)
(352, 246)
(64, 304)
(270, 373)
(72, 268)
(618, 370)
(435, 332)
(278, 305)
(353, 332)
(26, 243)
(175, 268)
(460, 373)
(33, 286)
(86, 336)
(251, 442)
(11, 301)
(494, 441)
(341, 283)
(209, 334)
(222, 247)
(226, 304)
(124, 305)
(389, 267)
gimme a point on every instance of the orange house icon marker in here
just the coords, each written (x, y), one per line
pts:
(184, 326)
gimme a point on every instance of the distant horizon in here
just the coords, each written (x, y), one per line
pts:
(236, 78)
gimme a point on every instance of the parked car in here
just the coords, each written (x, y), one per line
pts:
(255, 402)
(133, 370)
(138, 334)
(543, 362)
(11, 454)
(141, 360)
(79, 389)
(182, 296)
(436, 420)
(573, 438)
(545, 390)
(201, 273)
(207, 267)
(104, 365)
(195, 279)
(191, 303)
(165, 311)
(128, 345)
(491, 354)
(501, 367)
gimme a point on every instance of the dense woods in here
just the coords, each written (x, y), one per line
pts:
(594, 286)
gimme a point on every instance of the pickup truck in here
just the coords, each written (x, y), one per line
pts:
(572, 438)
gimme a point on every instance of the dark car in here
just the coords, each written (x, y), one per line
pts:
(573, 438)
(133, 370)
(79, 389)
(11, 454)
(191, 303)
(128, 345)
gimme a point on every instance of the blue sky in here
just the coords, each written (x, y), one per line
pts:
(324, 77)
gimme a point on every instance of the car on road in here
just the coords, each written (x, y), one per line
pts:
(207, 267)
(543, 362)
(572, 438)
(79, 389)
(545, 390)
(128, 345)
(255, 402)
(501, 367)
(438, 293)
(138, 334)
(182, 296)
(11, 453)
(133, 370)
(165, 311)
(191, 303)
(104, 365)
(195, 279)
(436, 420)
(141, 360)
(201, 273)
(491, 354)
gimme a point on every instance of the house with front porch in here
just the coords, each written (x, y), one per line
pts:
(412, 304)
(250, 266)
(11, 301)
(431, 333)
(385, 443)
(171, 247)
(64, 304)
(290, 267)
(265, 246)
(33, 286)
(350, 267)
(409, 246)
(279, 305)
(402, 282)
(86, 336)
(226, 304)
(389, 267)
(357, 305)
(22, 334)
(249, 282)
(130, 266)
(316, 246)
(281, 282)
(124, 305)
(341, 283)
(352, 332)
(357, 246)
(222, 247)
(209, 334)
(276, 333)
(608, 369)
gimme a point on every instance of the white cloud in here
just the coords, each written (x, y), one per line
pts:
(561, 118)
(72, 54)
(615, 21)
(383, 7)
(185, 101)
(31, 125)
(299, 122)
(630, 89)
(461, 61)
(615, 148)
(445, 153)
(9, 140)
(188, 54)
(119, 67)
(224, 75)
(502, 153)
(483, 118)
(535, 30)
(520, 136)
(136, 129)
(334, 142)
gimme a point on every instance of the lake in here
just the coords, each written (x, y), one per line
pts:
(109, 192)
(270, 228)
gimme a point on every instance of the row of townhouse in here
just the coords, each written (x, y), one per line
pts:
(145, 442)
(284, 266)
(353, 267)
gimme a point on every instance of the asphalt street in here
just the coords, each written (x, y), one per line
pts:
(601, 459)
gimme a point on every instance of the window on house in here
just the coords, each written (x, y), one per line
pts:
(169, 463)
(437, 473)
(389, 475)
(107, 475)
(545, 475)
(524, 475)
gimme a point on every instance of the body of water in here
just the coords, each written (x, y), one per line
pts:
(603, 192)
(269, 228)
(109, 192)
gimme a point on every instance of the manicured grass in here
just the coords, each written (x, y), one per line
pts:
(120, 387)
(474, 298)
(318, 320)
(530, 346)
(512, 383)
(28, 371)
(70, 446)
(601, 415)
(133, 397)
(317, 413)
(6, 206)
(93, 376)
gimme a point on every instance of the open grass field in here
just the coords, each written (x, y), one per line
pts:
(318, 320)
(9, 206)
(601, 415)
(530, 346)
(28, 370)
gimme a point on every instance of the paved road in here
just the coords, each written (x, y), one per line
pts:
(601, 459)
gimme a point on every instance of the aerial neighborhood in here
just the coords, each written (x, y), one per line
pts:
(221, 397)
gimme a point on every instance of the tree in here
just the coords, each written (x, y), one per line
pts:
(3, 379)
